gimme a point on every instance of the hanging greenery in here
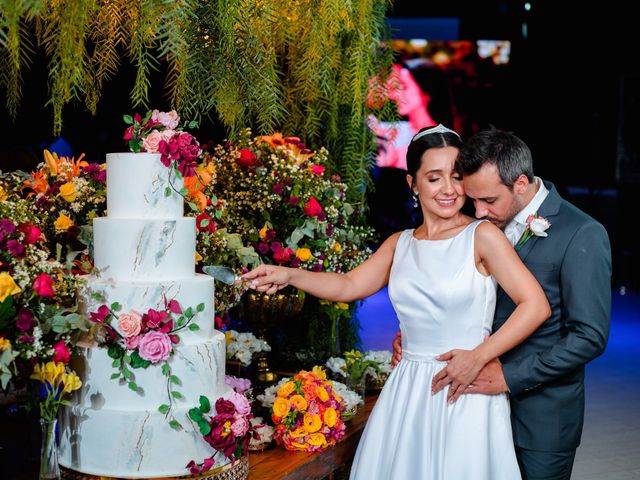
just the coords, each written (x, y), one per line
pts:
(301, 67)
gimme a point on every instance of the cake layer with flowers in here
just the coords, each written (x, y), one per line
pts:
(154, 350)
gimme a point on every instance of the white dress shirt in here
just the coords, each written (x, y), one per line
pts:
(516, 227)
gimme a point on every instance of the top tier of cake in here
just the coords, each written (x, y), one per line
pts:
(137, 184)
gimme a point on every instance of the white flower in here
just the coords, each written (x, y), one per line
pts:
(383, 358)
(269, 395)
(337, 365)
(539, 225)
(351, 398)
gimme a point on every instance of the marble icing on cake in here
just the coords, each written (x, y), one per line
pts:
(144, 253)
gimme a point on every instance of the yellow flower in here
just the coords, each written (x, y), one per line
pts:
(299, 402)
(286, 389)
(7, 286)
(322, 394)
(298, 432)
(299, 446)
(337, 247)
(319, 372)
(198, 257)
(4, 344)
(63, 223)
(228, 338)
(317, 439)
(342, 306)
(68, 192)
(281, 407)
(71, 382)
(3, 195)
(51, 162)
(263, 233)
(330, 417)
(303, 254)
(50, 373)
(312, 423)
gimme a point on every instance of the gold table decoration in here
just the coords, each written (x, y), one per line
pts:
(238, 470)
(263, 311)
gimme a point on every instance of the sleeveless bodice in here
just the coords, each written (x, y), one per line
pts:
(440, 297)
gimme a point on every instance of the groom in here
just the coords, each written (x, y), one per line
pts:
(545, 374)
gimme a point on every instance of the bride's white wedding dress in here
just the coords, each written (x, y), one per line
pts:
(442, 302)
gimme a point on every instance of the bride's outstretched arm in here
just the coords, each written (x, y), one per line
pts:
(364, 280)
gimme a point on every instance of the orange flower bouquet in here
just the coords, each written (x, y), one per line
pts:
(306, 412)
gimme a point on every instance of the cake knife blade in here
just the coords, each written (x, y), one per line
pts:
(221, 273)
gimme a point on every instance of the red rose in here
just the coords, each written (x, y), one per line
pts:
(313, 208)
(61, 352)
(43, 285)
(247, 158)
(31, 233)
(205, 223)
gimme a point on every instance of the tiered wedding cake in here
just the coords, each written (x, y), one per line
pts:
(144, 253)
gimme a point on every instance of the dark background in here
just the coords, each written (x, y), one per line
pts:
(571, 91)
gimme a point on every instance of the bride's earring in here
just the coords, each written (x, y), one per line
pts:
(415, 199)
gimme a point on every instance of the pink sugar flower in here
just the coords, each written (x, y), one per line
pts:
(155, 346)
(130, 324)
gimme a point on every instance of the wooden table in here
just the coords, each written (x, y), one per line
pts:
(280, 464)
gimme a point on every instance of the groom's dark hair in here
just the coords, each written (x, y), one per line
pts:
(508, 153)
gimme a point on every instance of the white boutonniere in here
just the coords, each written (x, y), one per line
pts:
(536, 226)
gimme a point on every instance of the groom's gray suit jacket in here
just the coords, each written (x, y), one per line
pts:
(545, 373)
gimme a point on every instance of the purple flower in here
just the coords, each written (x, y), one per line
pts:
(276, 247)
(293, 200)
(7, 226)
(263, 248)
(15, 248)
(225, 407)
(240, 385)
(25, 321)
(277, 189)
(317, 267)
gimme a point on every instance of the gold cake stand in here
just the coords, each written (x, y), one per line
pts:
(232, 471)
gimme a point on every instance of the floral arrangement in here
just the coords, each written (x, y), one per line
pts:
(242, 346)
(161, 132)
(137, 340)
(45, 234)
(229, 430)
(57, 380)
(282, 200)
(383, 359)
(351, 398)
(354, 365)
(307, 412)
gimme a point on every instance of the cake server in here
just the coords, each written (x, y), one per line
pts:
(222, 273)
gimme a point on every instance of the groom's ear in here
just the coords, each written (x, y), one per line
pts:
(521, 185)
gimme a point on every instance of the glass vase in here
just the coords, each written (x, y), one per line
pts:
(358, 386)
(49, 468)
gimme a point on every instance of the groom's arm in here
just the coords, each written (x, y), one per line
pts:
(585, 278)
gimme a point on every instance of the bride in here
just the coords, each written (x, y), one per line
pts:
(442, 283)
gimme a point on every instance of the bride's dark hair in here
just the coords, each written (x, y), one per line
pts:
(422, 142)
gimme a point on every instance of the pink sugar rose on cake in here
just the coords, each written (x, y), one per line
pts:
(169, 119)
(130, 323)
(155, 346)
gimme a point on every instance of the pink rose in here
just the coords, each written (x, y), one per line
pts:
(132, 343)
(43, 285)
(130, 323)
(317, 169)
(61, 352)
(155, 346)
(240, 426)
(241, 403)
(313, 208)
(31, 233)
(151, 141)
(169, 119)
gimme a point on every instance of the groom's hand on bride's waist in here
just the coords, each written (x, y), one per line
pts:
(397, 350)
(490, 380)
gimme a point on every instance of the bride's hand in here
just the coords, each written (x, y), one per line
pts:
(267, 278)
(463, 366)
